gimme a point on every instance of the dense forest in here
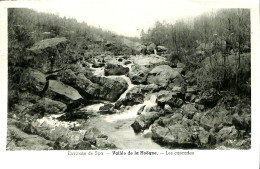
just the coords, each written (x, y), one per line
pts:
(215, 45)
(180, 85)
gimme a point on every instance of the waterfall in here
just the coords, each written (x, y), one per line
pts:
(155, 52)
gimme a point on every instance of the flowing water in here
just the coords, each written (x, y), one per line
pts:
(118, 126)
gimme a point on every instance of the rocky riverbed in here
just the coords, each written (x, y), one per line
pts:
(124, 102)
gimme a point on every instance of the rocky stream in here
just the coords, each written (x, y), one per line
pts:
(124, 102)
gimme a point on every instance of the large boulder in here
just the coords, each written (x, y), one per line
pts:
(107, 109)
(43, 45)
(65, 138)
(143, 121)
(165, 76)
(64, 93)
(79, 68)
(33, 80)
(93, 133)
(138, 74)
(141, 49)
(215, 119)
(77, 79)
(18, 140)
(227, 133)
(115, 69)
(67, 76)
(47, 53)
(175, 135)
(174, 119)
(150, 61)
(170, 98)
(48, 106)
(85, 87)
(110, 88)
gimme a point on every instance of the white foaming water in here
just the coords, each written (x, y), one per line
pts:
(99, 71)
(127, 114)
(129, 66)
(128, 81)
(130, 86)
(94, 107)
(53, 122)
(149, 101)
(147, 132)
(155, 51)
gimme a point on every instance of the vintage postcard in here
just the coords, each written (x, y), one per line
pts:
(147, 80)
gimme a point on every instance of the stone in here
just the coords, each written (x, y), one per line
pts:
(64, 93)
(141, 109)
(170, 98)
(115, 69)
(32, 80)
(151, 48)
(110, 88)
(137, 93)
(93, 133)
(107, 109)
(172, 120)
(150, 61)
(175, 135)
(138, 74)
(167, 109)
(75, 137)
(85, 87)
(209, 98)
(242, 121)
(67, 76)
(102, 143)
(143, 121)
(18, 140)
(215, 119)
(227, 133)
(48, 106)
(43, 45)
(141, 49)
(203, 136)
(179, 90)
(165, 76)
(189, 110)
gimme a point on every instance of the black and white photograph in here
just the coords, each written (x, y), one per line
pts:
(151, 76)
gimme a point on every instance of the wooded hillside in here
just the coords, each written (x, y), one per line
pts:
(215, 45)
(26, 27)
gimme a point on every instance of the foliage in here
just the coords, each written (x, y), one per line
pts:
(206, 43)
(27, 27)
